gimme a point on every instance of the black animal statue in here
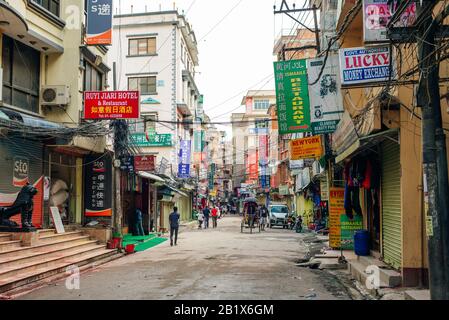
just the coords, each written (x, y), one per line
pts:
(22, 205)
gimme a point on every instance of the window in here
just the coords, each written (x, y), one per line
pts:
(261, 104)
(93, 79)
(146, 85)
(142, 47)
(50, 5)
(145, 123)
(21, 72)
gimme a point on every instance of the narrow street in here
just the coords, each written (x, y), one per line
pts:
(220, 264)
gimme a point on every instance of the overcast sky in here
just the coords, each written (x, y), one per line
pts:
(234, 56)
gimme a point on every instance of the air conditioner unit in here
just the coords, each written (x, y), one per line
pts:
(55, 95)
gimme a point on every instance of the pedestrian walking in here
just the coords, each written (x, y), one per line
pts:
(214, 216)
(200, 220)
(263, 214)
(173, 219)
(206, 213)
(138, 218)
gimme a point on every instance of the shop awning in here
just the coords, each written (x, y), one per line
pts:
(28, 120)
(151, 176)
(366, 143)
(178, 191)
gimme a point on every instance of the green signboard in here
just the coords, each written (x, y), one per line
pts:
(154, 140)
(348, 229)
(211, 176)
(292, 96)
(199, 142)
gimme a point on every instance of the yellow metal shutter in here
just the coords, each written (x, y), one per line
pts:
(391, 204)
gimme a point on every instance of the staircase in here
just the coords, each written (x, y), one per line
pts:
(389, 278)
(50, 256)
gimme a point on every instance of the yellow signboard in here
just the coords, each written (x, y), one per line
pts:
(306, 148)
(336, 209)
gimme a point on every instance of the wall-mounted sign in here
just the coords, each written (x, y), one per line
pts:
(156, 140)
(21, 170)
(306, 148)
(99, 22)
(284, 190)
(362, 65)
(103, 105)
(127, 163)
(376, 16)
(292, 96)
(98, 186)
(348, 229)
(326, 102)
(144, 163)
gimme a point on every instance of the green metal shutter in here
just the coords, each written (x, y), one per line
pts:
(391, 204)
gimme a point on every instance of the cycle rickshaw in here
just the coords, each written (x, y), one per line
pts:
(250, 221)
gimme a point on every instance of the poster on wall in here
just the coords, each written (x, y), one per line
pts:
(20, 171)
(99, 22)
(98, 186)
(363, 65)
(326, 102)
(144, 163)
(336, 210)
(292, 96)
(376, 16)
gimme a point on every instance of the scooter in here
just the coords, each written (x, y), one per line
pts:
(298, 226)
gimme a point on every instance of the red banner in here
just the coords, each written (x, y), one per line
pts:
(253, 166)
(144, 163)
(105, 105)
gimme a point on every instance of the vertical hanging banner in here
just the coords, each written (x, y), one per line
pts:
(292, 96)
(99, 22)
(98, 186)
(376, 16)
(184, 159)
(326, 101)
(211, 176)
(336, 210)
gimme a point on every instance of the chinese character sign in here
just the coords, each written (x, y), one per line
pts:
(99, 22)
(98, 186)
(292, 96)
(184, 157)
(156, 140)
(103, 105)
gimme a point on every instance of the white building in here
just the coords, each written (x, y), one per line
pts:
(156, 53)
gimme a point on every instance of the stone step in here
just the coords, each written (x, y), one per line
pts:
(48, 261)
(5, 237)
(46, 232)
(62, 243)
(57, 236)
(26, 278)
(9, 245)
(25, 258)
(387, 274)
(19, 291)
(357, 271)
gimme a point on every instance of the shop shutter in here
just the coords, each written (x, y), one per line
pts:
(391, 204)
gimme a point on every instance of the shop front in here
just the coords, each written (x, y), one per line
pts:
(21, 162)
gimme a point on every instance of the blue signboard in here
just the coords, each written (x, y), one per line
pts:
(99, 22)
(184, 159)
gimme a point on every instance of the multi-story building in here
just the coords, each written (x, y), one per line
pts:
(46, 66)
(250, 135)
(156, 53)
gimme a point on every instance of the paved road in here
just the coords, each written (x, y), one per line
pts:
(212, 264)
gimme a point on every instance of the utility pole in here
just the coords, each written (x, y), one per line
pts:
(434, 158)
(118, 151)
